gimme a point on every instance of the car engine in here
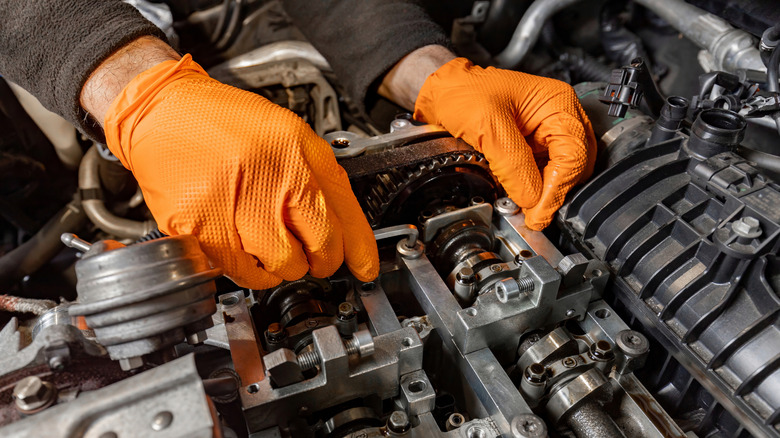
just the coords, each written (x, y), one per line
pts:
(648, 309)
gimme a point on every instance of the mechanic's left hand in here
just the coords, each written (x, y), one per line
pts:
(516, 120)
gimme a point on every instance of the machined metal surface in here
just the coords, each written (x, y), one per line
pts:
(168, 401)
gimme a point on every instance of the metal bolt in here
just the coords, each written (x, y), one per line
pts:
(398, 422)
(276, 332)
(535, 373)
(346, 310)
(748, 227)
(601, 350)
(528, 426)
(570, 313)
(632, 343)
(311, 323)
(399, 124)
(465, 275)
(506, 207)
(57, 363)
(496, 268)
(196, 338)
(569, 362)
(361, 343)
(33, 394)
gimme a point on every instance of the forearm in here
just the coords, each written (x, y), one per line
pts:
(50, 47)
(403, 82)
(364, 39)
(113, 74)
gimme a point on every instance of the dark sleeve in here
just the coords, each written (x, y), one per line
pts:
(50, 47)
(363, 39)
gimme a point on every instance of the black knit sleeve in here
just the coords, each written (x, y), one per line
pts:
(363, 39)
(50, 47)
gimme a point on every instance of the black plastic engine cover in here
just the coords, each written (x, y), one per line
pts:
(662, 221)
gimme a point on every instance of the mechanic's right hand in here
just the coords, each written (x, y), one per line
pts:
(258, 188)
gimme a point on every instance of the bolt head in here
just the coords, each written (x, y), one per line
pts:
(506, 207)
(29, 390)
(632, 343)
(276, 332)
(346, 310)
(496, 268)
(465, 275)
(748, 227)
(569, 362)
(32, 394)
(535, 373)
(398, 421)
(601, 350)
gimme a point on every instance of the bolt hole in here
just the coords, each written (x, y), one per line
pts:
(109, 435)
(472, 311)
(525, 253)
(340, 143)
(230, 301)
(476, 432)
(417, 386)
(477, 200)
(603, 313)
(253, 388)
(603, 345)
(407, 342)
(365, 287)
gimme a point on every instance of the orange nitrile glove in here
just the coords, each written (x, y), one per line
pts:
(259, 189)
(516, 120)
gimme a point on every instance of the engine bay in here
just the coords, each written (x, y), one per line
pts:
(648, 309)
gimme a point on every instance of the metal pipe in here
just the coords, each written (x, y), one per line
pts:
(528, 30)
(89, 180)
(731, 48)
(45, 244)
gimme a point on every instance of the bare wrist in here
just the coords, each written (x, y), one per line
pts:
(113, 74)
(403, 82)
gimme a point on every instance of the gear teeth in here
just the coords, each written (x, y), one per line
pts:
(388, 185)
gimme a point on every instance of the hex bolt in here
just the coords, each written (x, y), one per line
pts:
(747, 227)
(536, 373)
(276, 332)
(534, 381)
(346, 310)
(398, 422)
(601, 350)
(362, 344)
(465, 275)
(32, 394)
(455, 421)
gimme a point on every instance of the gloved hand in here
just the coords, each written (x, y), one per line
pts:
(258, 188)
(519, 122)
